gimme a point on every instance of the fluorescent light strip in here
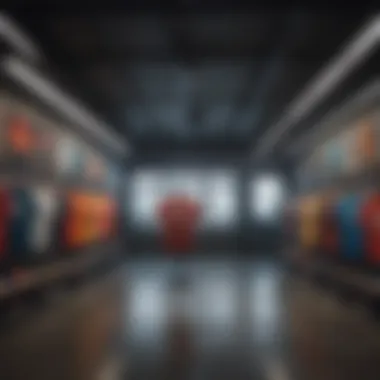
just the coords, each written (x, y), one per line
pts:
(336, 117)
(359, 48)
(17, 39)
(54, 97)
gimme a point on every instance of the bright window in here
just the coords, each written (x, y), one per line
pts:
(221, 205)
(215, 191)
(268, 196)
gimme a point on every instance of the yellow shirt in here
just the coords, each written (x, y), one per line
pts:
(309, 225)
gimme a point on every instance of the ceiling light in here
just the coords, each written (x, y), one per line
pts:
(50, 94)
(335, 118)
(357, 50)
(11, 33)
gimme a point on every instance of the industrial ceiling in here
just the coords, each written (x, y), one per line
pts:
(190, 81)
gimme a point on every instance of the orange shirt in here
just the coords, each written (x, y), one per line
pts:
(78, 220)
(21, 135)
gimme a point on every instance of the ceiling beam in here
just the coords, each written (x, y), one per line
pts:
(125, 57)
(186, 52)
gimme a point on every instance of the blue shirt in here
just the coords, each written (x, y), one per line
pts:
(350, 231)
(22, 217)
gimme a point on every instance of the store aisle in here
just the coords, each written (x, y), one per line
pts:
(206, 319)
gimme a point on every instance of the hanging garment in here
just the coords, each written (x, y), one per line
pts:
(179, 216)
(309, 223)
(350, 229)
(107, 218)
(42, 237)
(23, 215)
(76, 220)
(370, 220)
(329, 228)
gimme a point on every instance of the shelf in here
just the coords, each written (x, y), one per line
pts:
(355, 279)
(36, 277)
(369, 175)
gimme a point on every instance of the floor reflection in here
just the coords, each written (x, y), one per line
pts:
(195, 320)
(227, 307)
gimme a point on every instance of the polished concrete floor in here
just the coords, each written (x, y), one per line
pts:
(203, 319)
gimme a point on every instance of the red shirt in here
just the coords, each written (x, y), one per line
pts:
(370, 219)
(179, 217)
(329, 233)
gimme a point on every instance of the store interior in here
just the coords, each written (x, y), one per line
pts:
(189, 193)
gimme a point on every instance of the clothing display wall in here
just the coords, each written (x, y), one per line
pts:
(57, 192)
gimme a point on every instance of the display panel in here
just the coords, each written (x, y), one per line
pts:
(43, 164)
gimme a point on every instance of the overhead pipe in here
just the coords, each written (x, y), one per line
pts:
(70, 109)
(356, 51)
(18, 40)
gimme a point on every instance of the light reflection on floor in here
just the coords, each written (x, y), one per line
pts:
(203, 320)
(228, 306)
